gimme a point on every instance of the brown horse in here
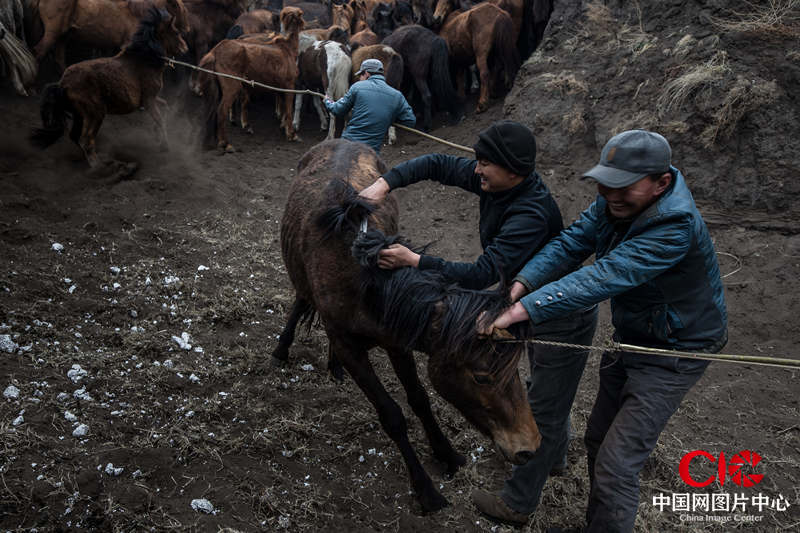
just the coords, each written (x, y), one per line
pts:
(333, 268)
(483, 36)
(112, 85)
(272, 63)
(99, 23)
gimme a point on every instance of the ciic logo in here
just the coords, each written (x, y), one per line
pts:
(733, 469)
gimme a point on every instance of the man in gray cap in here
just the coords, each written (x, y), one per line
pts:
(375, 106)
(518, 216)
(655, 261)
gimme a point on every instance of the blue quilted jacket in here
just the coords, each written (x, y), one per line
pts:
(375, 106)
(659, 270)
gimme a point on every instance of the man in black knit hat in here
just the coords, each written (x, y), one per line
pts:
(518, 216)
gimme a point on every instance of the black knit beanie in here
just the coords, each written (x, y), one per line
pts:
(508, 144)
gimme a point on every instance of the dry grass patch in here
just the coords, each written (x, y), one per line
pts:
(745, 96)
(565, 84)
(773, 17)
(697, 80)
(601, 24)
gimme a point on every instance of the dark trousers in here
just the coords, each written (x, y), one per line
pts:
(555, 374)
(637, 396)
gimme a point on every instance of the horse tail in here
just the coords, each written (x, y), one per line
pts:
(503, 56)
(235, 31)
(53, 108)
(347, 209)
(442, 86)
(212, 93)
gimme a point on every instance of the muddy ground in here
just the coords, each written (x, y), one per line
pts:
(169, 293)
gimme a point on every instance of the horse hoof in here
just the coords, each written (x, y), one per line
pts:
(481, 108)
(432, 501)
(229, 149)
(249, 130)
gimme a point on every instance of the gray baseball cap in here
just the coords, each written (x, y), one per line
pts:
(373, 66)
(630, 156)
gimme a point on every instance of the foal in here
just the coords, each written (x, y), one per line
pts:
(115, 85)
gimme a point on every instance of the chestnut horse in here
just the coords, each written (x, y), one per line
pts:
(482, 35)
(115, 85)
(333, 268)
(99, 23)
(273, 63)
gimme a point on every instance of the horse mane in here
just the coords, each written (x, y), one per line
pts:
(144, 43)
(408, 301)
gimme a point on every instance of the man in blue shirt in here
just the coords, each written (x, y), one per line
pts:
(375, 106)
(655, 261)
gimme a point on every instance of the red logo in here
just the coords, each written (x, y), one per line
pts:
(731, 469)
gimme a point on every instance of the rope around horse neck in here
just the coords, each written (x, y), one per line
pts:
(252, 83)
(621, 347)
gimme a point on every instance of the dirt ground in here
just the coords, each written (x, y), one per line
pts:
(168, 292)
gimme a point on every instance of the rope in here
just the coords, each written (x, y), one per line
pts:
(252, 83)
(620, 347)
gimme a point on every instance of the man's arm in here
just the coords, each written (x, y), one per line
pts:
(507, 253)
(563, 253)
(344, 104)
(631, 264)
(446, 169)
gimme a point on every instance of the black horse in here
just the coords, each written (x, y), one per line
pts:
(427, 67)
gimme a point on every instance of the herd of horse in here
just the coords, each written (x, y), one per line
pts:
(330, 237)
(426, 45)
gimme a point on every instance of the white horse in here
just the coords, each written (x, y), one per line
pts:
(324, 66)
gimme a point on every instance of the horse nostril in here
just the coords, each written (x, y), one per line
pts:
(523, 457)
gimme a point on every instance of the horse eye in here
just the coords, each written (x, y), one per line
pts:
(482, 379)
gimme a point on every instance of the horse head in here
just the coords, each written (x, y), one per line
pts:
(443, 8)
(479, 376)
(181, 14)
(291, 20)
(383, 22)
(403, 13)
(168, 33)
(343, 16)
(423, 13)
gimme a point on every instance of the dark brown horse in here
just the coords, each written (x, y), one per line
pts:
(100, 23)
(273, 63)
(333, 268)
(482, 35)
(209, 22)
(427, 69)
(112, 85)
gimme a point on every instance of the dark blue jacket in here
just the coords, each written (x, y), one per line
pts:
(514, 224)
(375, 107)
(659, 270)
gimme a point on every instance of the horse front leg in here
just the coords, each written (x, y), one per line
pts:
(425, 95)
(298, 106)
(324, 123)
(288, 109)
(355, 360)
(157, 111)
(91, 125)
(406, 370)
(483, 70)
(244, 101)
